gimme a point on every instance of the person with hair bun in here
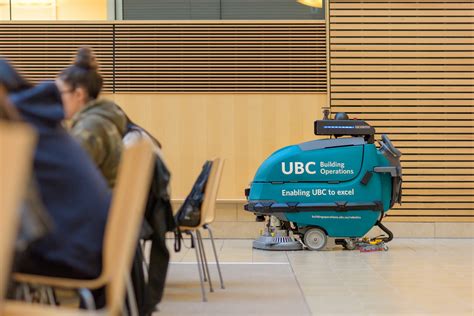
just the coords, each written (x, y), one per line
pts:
(97, 124)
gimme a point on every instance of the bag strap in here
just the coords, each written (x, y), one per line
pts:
(178, 236)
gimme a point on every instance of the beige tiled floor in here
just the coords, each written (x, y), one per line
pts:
(415, 277)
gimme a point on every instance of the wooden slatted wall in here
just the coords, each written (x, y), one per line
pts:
(408, 68)
(205, 56)
(221, 57)
(41, 50)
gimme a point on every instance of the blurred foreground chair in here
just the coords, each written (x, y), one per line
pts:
(16, 153)
(207, 217)
(120, 241)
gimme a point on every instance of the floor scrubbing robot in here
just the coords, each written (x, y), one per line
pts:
(336, 188)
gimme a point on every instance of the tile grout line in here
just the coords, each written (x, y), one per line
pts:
(222, 246)
(183, 246)
(256, 263)
(310, 312)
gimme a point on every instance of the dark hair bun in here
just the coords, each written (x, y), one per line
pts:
(85, 59)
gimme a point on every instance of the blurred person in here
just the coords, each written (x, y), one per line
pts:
(34, 221)
(73, 191)
(98, 124)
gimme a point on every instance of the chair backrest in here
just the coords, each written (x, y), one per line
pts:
(125, 219)
(212, 188)
(16, 152)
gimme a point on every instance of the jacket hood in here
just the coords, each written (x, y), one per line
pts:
(41, 103)
(105, 109)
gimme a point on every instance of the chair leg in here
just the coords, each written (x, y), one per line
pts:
(193, 238)
(215, 255)
(143, 244)
(87, 298)
(206, 265)
(132, 303)
(42, 295)
(145, 264)
(51, 296)
(25, 288)
(200, 250)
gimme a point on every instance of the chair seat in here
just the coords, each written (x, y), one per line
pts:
(14, 308)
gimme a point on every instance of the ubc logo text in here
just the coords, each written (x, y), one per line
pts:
(298, 167)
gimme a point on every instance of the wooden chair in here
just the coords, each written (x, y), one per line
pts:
(207, 216)
(16, 152)
(209, 207)
(121, 236)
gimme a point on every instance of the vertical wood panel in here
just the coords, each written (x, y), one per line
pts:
(407, 68)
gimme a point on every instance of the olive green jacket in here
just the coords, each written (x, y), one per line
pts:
(99, 128)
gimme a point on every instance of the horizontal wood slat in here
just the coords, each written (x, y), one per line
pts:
(407, 67)
(196, 56)
(279, 56)
(41, 50)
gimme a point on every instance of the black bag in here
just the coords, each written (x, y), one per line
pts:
(159, 219)
(159, 215)
(190, 212)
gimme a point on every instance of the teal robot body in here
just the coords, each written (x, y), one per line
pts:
(342, 186)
